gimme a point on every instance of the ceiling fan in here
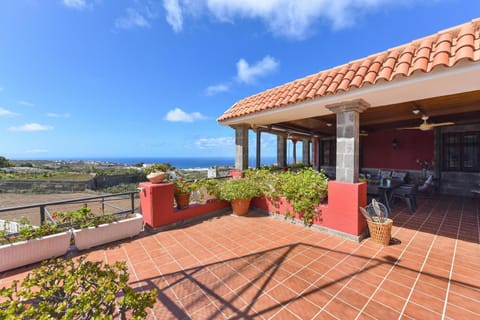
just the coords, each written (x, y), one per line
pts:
(425, 126)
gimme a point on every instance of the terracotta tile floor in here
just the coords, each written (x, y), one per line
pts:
(266, 268)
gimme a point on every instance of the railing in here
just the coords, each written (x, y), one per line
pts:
(103, 199)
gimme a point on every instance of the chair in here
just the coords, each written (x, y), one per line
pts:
(406, 193)
(427, 186)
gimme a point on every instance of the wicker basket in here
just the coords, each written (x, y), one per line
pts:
(381, 232)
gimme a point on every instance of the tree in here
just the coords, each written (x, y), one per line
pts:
(4, 162)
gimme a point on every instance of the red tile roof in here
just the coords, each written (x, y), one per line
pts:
(446, 48)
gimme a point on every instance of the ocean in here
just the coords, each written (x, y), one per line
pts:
(184, 162)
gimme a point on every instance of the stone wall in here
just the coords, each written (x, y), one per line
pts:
(60, 186)
(459, 183)
(100, 182)
(42, 186)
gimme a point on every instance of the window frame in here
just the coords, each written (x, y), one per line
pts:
(459, 145)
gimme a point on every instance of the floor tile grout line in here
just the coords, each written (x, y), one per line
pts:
(350, 280)
(396, 262)
(354, 277)
(444, 311)
(166, 280)
(325, 253)
(380, 249)
(285, 305)
(423, 265)
(185, 271)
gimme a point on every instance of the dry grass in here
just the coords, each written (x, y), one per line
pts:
(33, 215)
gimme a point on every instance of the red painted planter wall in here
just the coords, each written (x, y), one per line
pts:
(157, 206)
(340, 214)
(412, 145)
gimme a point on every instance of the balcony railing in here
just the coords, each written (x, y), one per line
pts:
(103, 200)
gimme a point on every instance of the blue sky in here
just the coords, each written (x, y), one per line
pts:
(133, 78)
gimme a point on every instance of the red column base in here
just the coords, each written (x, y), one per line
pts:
(343, 202)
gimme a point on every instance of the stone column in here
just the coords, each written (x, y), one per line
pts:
(348, 134)
(306, 151)
(241, 147)
(259, 147)
(281, 151)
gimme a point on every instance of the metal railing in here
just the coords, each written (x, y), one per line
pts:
(103, 199)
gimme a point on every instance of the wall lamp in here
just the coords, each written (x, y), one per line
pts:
(394, 143)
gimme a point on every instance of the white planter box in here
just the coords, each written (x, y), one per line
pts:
(105, 233)
(21, 253)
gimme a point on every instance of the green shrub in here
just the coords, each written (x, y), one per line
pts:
(243, 188)
(302, 188)
(28, 232)
(159, 167)
(64, 289)
(82, 218)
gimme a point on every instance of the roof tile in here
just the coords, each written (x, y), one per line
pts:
(445, 49)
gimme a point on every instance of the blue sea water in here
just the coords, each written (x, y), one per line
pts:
(185, 163)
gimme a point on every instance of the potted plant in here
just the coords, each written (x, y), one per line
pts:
(181, 191)
(239, 192)
(32, 244)
(91, 229)
(156, 173)
(80, 289)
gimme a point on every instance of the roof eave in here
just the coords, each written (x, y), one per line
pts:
(463, 77)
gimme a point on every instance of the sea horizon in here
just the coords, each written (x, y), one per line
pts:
(177, 162)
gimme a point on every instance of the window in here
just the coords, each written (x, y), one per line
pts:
(461, 151)
(328, 153)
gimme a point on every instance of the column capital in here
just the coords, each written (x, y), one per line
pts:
(358, 105)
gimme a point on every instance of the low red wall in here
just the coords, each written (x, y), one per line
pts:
(156, 201)
(340, 214)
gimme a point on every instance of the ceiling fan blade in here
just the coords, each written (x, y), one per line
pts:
(408, 128)
(441, 124)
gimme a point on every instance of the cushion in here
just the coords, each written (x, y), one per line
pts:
(399, 174)
(384, 174)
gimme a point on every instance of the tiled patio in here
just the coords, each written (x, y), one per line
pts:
(266, 268)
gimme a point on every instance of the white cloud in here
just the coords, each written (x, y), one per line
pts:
(248, 74)
(178, 115)
(30, 127)
(212, 143)
(132, 19)
(58, 115)
(36, 151)
(290, 18)
(7, 113)
(25, 103)
(76, 4)
(218, 88)
(174, 14)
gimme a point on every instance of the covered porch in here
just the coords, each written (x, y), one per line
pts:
(419, 102)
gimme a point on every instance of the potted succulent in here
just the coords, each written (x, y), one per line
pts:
(32, 244)
(91, 229)
(156, 173)
(239, 192)
(182, 190)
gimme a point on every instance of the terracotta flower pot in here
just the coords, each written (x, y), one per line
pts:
(240, 207)
(157, 177)
(182, 200)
